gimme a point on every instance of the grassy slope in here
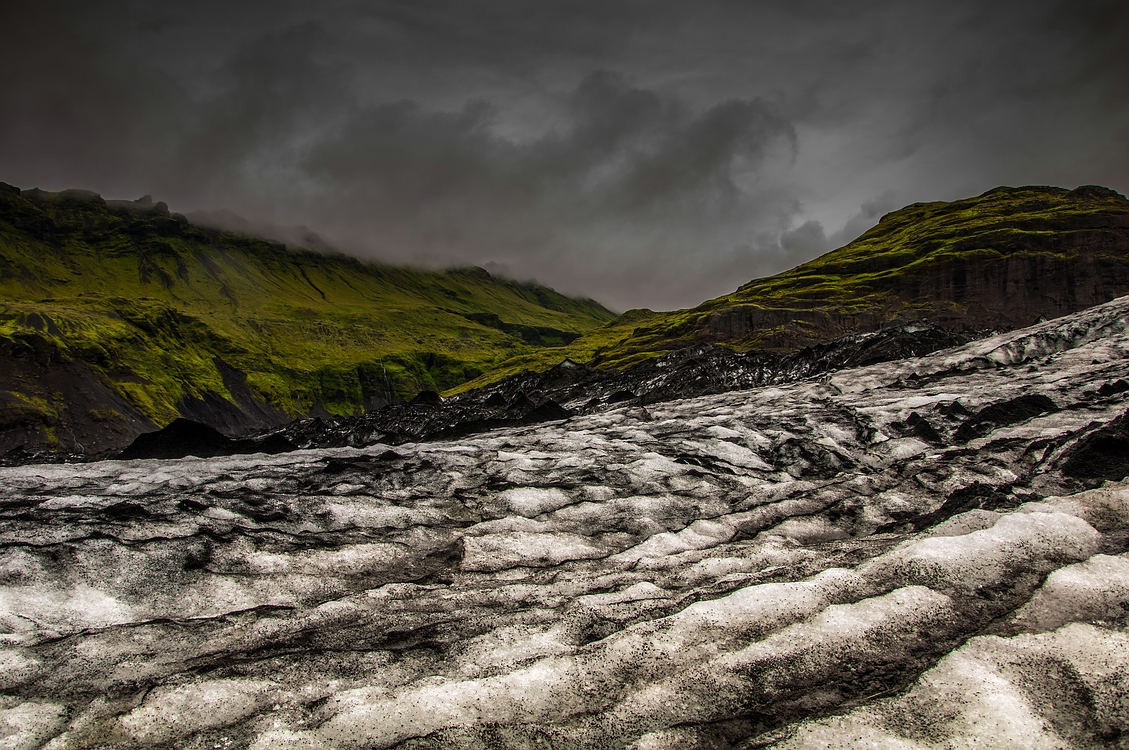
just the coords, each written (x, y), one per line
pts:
(896, 271)
(150, 302)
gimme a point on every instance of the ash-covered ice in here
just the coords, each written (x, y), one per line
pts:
(903, 555)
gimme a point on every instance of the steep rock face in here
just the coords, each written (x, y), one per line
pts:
(1067, 273)
(906, 554)
(45, 394)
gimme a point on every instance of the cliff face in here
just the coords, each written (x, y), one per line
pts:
(1002, 260)
(993, 292)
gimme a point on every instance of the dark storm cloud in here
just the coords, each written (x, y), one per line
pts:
(810, 239)
(646, 153)
(58, 119)
(592, 199)
(627, 154)
(268, 98)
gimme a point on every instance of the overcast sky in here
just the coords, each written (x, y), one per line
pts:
(645, 153)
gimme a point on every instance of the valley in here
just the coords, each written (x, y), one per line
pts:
(564, 376)
(119, 317)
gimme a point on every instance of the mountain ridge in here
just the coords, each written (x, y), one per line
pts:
(1000, 260)
(119, 316)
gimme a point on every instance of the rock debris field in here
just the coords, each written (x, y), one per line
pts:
(928, 553)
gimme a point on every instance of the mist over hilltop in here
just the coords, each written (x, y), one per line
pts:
(645, 155)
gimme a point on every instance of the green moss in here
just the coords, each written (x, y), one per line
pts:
(153, 304)
(103, 415)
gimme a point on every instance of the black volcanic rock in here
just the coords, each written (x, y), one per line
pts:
(1003, 414)
(427, 398)
(918, 426)
(1102, 454)
(570, 388)
(521, 404)
(183, 437)
(549, 411)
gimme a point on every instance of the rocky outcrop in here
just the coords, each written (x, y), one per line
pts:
(1067, 272)
(54, 401)
(183, 437)
(903, 554)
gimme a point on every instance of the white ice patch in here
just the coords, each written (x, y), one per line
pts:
(494, 552)
(28, 725)
(653, 468)
(16, 667)
(901, 449)
(1017, 542)
(533, 501)
(807, 530)
(875, 630)
(353, 560)
(989, 712)
(169, 713)
(64, 610)
(867, 629)
(753, 610)
(730, 453)
(1097, 589)
(638, 592)
(511, 645)
(1014, 693)
(722, 433)
(559, 686)
(966, 523)
(1104, 508)
(370, 515)
(548, 689)
(1101, 659)
(700, 534)
(286, 739)
(524, 462)
(78, 502)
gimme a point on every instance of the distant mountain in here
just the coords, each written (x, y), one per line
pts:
(117, 317)
(1001, 260)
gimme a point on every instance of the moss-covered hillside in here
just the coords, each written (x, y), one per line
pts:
(117, 316)
(1000, 260)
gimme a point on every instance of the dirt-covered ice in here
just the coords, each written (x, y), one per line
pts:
(929, 553)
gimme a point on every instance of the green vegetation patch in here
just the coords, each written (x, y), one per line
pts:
(158, 307)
